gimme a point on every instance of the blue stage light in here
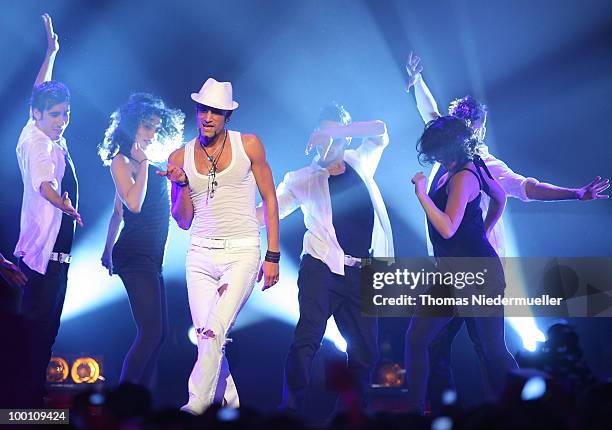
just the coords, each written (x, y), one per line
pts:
(534, 388)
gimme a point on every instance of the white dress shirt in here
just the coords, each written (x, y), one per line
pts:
(308, 189)
(40, 160)
(513, 184)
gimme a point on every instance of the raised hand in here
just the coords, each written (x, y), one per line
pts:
(174, 174)
(137, 152)
(69, 210)
(52, 39)
(413, 68)
(594, 190)
(420, 183)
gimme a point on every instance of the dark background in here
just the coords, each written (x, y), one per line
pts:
(543, 68)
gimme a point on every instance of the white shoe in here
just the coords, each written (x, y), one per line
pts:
(190, 409)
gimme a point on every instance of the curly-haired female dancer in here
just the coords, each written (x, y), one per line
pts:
(143, 203)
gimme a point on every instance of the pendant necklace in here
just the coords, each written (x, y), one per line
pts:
(212, 170)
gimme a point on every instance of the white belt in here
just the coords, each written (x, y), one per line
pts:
(351, 261)
(206, 242)
(61, 257)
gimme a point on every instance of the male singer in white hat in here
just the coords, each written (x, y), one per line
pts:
(214, 178)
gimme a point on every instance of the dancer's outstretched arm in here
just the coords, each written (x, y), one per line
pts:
(528, 189)
(182, 206)
(549, 192)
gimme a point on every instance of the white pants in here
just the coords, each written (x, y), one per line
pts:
(220, 279)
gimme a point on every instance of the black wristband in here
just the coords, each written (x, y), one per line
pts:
(183, 184)
(272, 257)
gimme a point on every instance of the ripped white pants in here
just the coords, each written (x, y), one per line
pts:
(220, 278)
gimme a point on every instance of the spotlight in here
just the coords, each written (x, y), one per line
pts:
(534, 388)
(442, 423)
(57, 370)
(390, 375)
(529, 332)
(340, 343)
(97, 399)
(449, 397)
(228, 414)
(193, 337)
(85, 370)
(561, 357)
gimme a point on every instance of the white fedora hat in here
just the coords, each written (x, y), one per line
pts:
(215, 94)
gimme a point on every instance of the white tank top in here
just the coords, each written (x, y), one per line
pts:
(231, 212)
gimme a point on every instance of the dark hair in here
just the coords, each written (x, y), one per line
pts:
(119, 136)
(468, 109)
(335, 112)
(48, 94)
(446, 139)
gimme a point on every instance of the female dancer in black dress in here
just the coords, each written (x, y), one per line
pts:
(142, 201)
(457, 229)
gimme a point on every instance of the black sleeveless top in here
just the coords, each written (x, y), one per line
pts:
(470, 239)
(142, 240)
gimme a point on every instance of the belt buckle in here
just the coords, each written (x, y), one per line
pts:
(358, 263)
(60, 257)
(351, 261)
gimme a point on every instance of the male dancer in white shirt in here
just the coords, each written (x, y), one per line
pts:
(48, 216)
(346, 221)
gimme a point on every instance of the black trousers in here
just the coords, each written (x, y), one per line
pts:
(14, 359)
(323, 294)
(428, 353)
(147, 295)
(441, 376)
(41, 309)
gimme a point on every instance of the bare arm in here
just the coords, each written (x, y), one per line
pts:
(357, 129)
(376, 131)
(131, 191)
(527, 189)
(287, 201)
(111, 235)
(462, 188)
(549, 192)
(46, 69)
(63, 202)
(426, 104)
(265, 183)
(182, 206)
